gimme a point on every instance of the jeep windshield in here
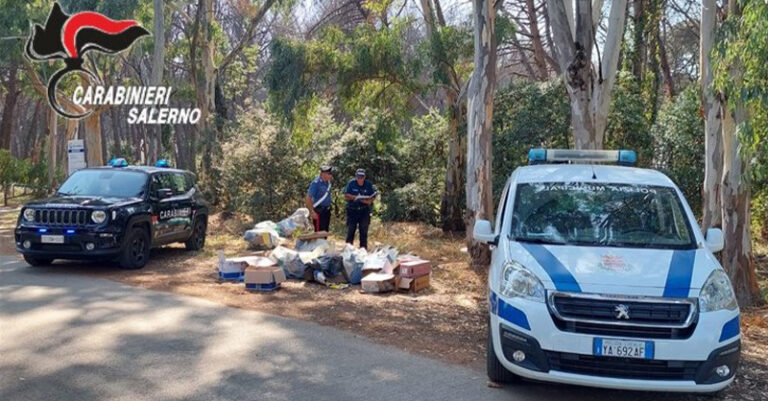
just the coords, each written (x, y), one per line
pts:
(105, 183)
(594, 214)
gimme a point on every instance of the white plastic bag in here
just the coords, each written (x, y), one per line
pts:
(298, 220)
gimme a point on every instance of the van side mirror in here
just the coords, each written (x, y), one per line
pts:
(714, 239)
(483, 232)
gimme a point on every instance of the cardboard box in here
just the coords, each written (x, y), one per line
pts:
(379, 282)
(415, 284)
(314, 235)
(229, 266)
(415, 268)
(264, 275)
(262, 287)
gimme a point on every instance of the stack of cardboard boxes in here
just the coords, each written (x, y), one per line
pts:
(407, 273)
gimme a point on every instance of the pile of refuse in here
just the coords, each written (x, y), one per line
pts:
(314, 258)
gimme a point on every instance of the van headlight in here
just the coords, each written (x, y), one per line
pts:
(717, 293)
(98, 216)
(29, 215)
(517, 281)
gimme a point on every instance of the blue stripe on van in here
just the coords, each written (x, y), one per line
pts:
(559, 274)
(730, 329)
(508, 312)
(680, 273)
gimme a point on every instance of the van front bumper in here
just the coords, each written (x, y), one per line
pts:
(679, 365)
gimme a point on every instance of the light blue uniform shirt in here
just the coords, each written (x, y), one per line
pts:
(317, 190)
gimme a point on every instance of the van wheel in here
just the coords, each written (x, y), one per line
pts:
(196, 241)
(496, 371)
(136, 250)
(37, 262)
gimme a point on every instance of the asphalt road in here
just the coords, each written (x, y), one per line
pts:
(68, 337)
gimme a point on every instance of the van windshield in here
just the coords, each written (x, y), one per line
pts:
(592, 214)
(112, 183)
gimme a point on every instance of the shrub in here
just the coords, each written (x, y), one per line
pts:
(679, 144)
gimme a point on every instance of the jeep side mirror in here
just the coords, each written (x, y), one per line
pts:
(714, 239)
(163, 193)
(483, 232)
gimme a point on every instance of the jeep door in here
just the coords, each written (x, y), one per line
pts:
(161, 195)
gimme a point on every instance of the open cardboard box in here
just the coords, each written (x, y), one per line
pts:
(414, 284)
(380, 282)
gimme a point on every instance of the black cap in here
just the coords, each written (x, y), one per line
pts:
(360, 172)
(326, 169)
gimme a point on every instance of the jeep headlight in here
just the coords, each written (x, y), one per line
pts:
(517, 281)
(98, 216)
(29, 215)
(717, 293)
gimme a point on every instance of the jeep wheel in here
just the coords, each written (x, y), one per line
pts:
(136, 251)
(496, 371)
(37, 262)
(196, 241)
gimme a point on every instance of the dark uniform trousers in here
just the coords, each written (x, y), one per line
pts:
(358, 218)
(323, 221)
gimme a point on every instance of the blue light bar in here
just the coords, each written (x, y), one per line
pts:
(622, 157)
(628, 157)
(42, 230)
(163, 163)
(537, 156)
(70, 231)
(118, 162)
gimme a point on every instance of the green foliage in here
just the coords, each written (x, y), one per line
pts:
(423, 157)
(20, 171)
(261, 170)
(369, 67)
(741, 74)
(527, 115)
(679, 144)
(627, 126)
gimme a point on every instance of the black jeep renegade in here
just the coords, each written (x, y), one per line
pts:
(113, 213)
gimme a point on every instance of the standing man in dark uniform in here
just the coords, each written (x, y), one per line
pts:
(359, 195)
(319, 199)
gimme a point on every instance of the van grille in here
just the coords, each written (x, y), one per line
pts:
(61, 217)
(646, 317)
(652, 313)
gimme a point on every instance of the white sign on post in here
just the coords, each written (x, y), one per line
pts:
(76, 154)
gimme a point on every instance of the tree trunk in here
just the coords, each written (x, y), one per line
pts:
(12, 96)
(589, 90)
(639, 48)
(206, 83)
(539, 55)
(665, 70)
(158, 64)
(93, 155)
(737, 254)
(735, 195)
(450, 207)
(479, 127)
(713, 139)
(52, 142)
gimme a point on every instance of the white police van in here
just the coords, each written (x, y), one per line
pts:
(600, 276)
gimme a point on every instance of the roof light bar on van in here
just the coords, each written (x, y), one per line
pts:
(623, 157)
(118, 162)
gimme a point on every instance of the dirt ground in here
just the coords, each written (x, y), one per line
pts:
(446, 322)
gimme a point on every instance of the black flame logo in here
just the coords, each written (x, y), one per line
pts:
(69, 37)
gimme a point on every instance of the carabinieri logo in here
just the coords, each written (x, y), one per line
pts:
(69, 37)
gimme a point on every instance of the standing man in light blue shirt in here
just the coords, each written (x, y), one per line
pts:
(319, 199)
